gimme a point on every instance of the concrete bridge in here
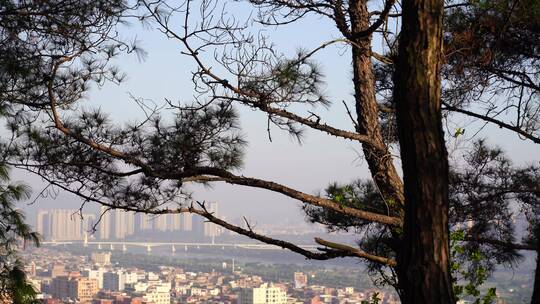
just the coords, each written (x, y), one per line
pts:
(123, 245)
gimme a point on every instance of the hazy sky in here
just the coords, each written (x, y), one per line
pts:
(309, 167)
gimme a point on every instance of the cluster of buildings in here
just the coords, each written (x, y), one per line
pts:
(65, 278)
(70, 225)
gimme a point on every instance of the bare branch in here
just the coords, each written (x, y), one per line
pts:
(357, 252)
(314, 124)
(499, 123)
(301, 196)
(355, 123)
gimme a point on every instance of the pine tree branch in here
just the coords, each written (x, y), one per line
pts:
(314, 124)
(497, 122)
(225, 176)
(356, 252)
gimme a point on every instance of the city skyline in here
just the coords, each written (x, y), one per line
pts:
(68, 224)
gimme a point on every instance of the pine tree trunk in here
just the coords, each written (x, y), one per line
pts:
(423, 259)
(377, 154)
(535, 299)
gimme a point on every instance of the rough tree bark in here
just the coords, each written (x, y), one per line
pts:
(377, 154)
(423, 261)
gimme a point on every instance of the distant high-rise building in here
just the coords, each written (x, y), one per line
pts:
(65, 225)
(57, 223)
(210, 229)
(124, 224)
(160, 222)
(104, 224)
(198, 226)
(119, 224)
(164, 222)
(130, 223)
(145, 222)
(43, 224)
(187, 222)
(88, 222)
(175, 222)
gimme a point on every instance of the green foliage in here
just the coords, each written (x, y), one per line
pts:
(288, 80)
(359, 194)
(193, 142)
(376, 239)
(13, 231)
(20, 291)
(35, 34)
(468, 280)
(483, 192)
(459, 132)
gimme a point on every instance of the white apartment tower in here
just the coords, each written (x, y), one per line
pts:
(124, 223)
(145, 222)
(104, 224)
(42, 224)
(160, 222)
(187, 222)
(65, 225)
(176, 222)
(211, 229)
